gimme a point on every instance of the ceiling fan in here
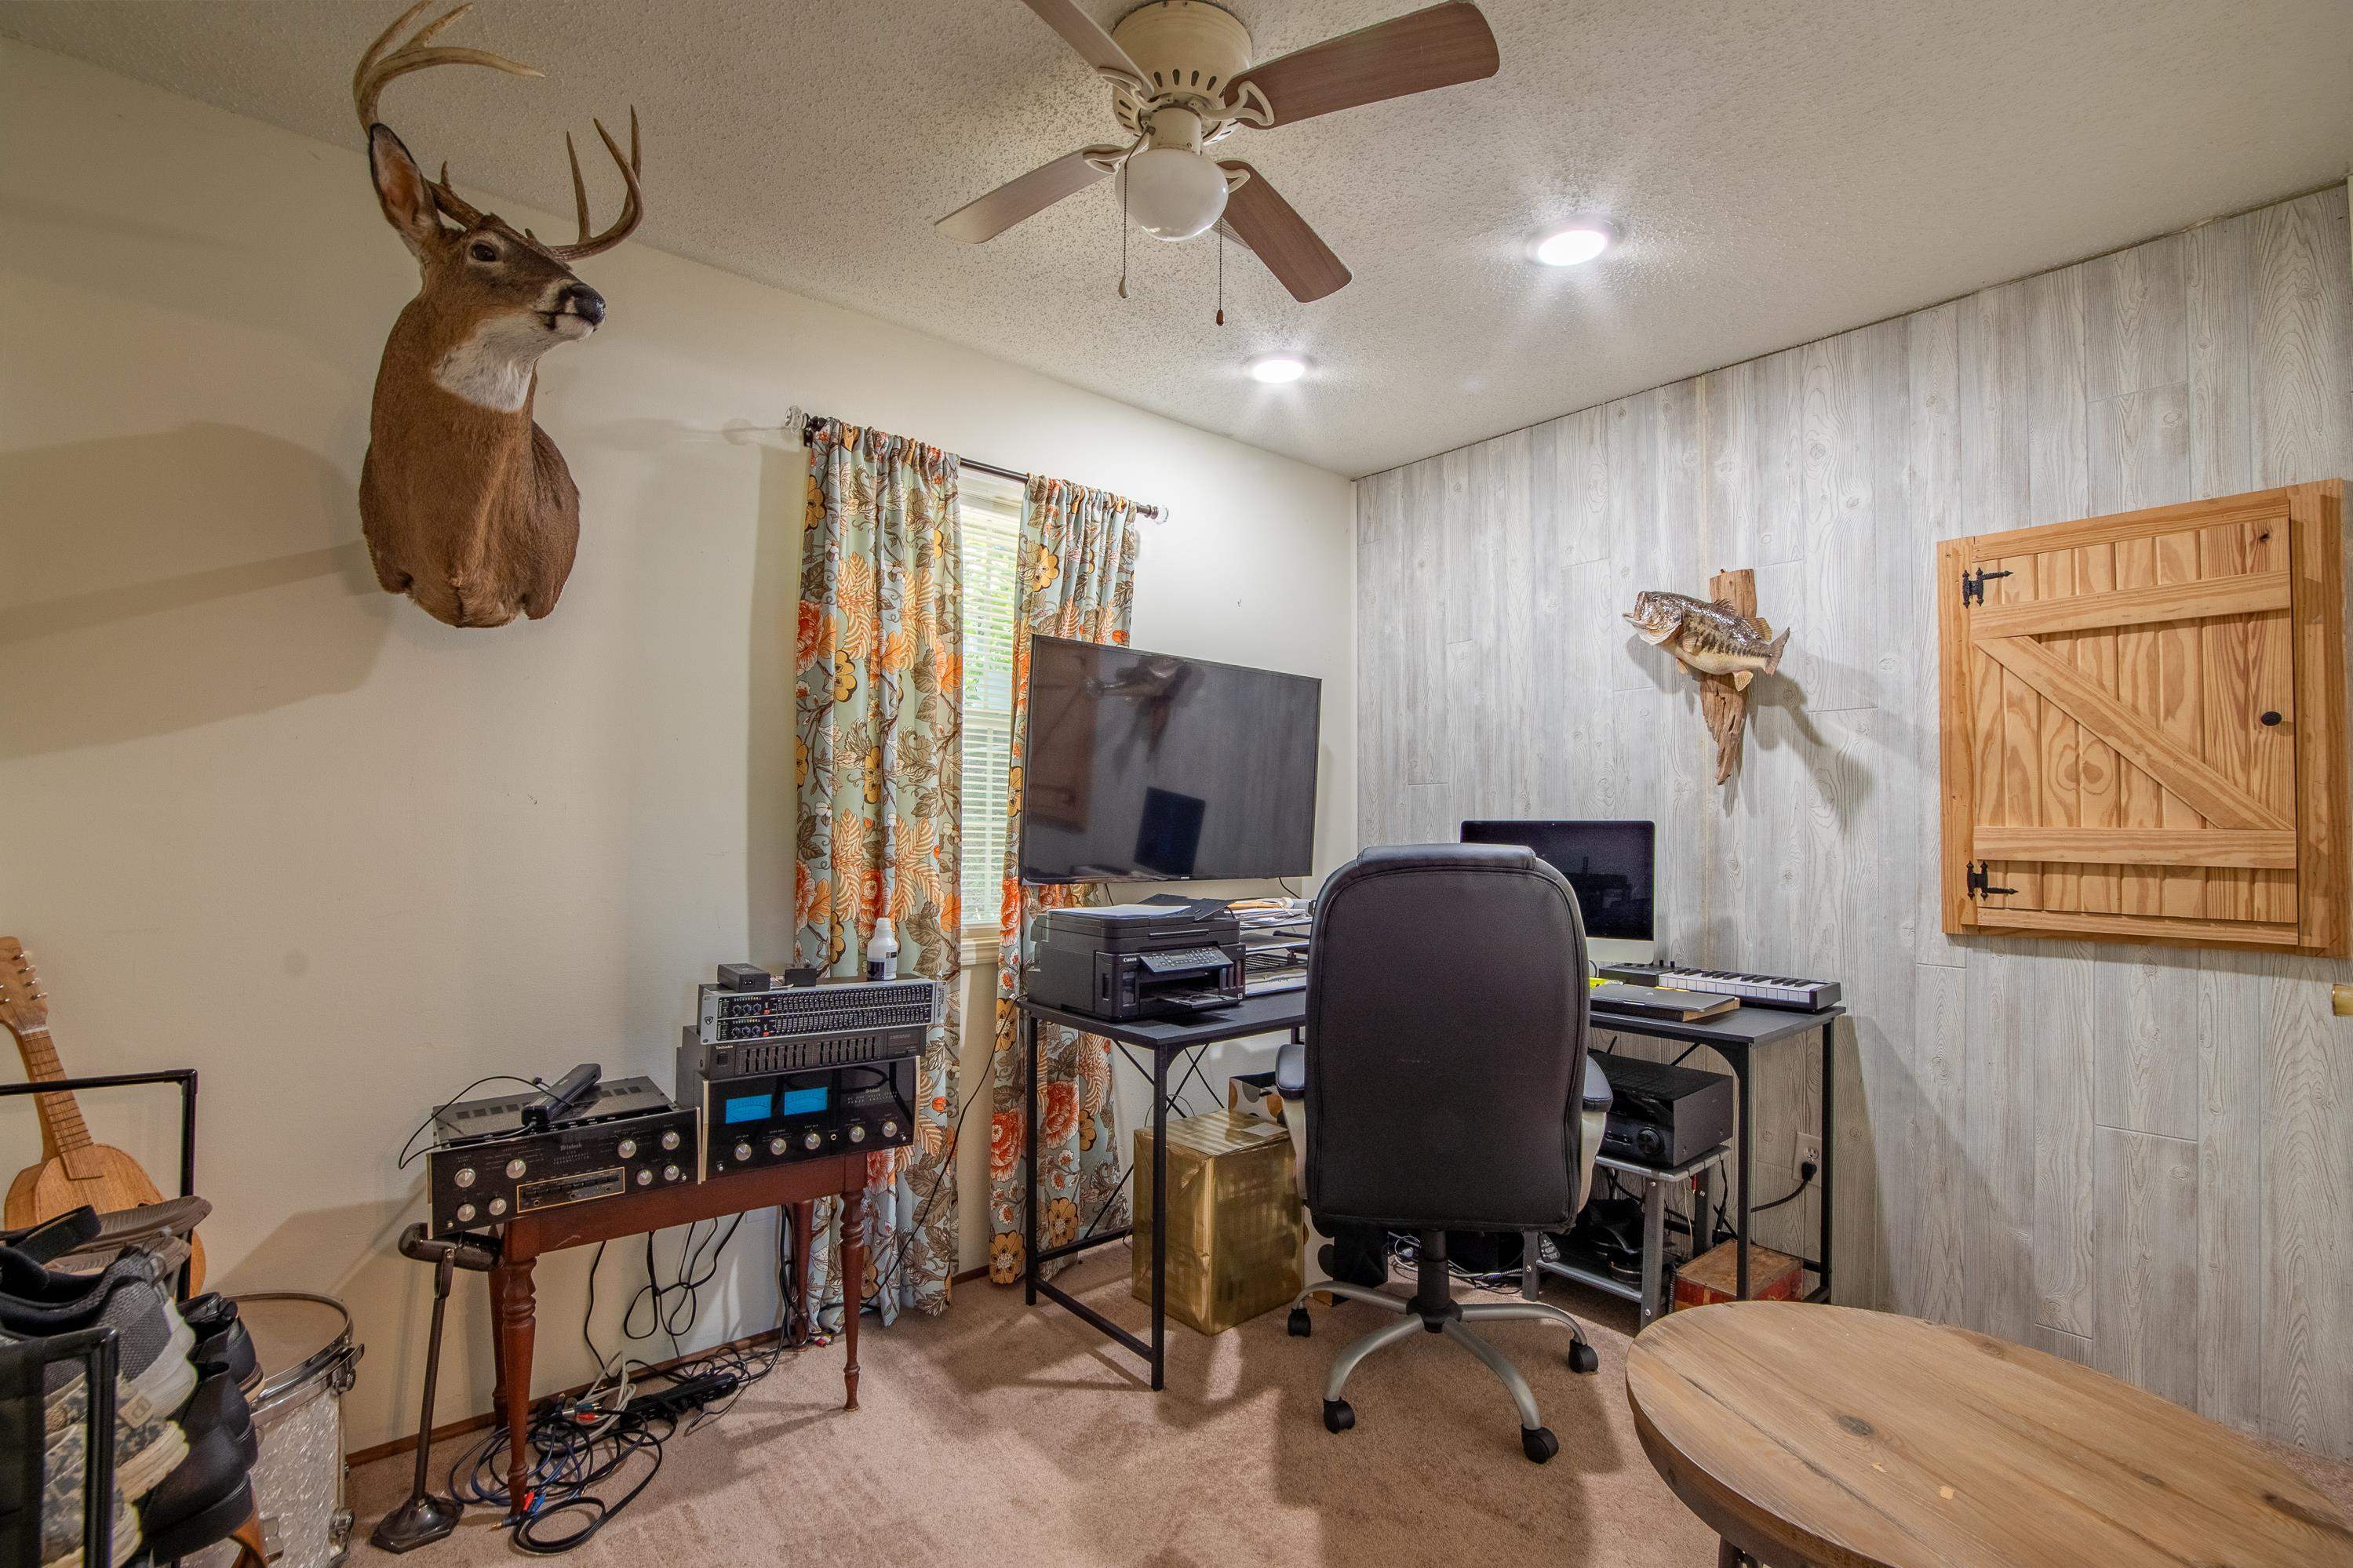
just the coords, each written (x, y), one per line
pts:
(1181, 80)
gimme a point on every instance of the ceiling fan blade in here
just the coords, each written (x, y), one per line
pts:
(1440, 47)
(1256, 215)
(1080, 32)
(978, 221)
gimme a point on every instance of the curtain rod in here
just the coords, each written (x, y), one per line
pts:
(808, 424)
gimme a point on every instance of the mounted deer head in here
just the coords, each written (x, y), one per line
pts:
(467, 505)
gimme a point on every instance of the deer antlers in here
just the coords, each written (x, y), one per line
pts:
(378, 67)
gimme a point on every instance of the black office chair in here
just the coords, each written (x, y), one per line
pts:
(1446, 1082)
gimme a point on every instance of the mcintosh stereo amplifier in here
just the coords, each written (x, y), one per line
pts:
(786, 1069)
(752, 1120)
(508, 1154)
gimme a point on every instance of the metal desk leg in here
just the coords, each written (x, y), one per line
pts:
(1829, 1142)
(1028, 1028)
(1159, 1217)
(1747, 1154)
(1654, 1248)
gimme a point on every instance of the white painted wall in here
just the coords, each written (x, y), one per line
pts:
(265, 820)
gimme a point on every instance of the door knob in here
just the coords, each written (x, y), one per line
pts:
(2271, 717)
(2340, 1001)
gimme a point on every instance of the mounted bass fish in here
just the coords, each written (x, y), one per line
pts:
(1710, 638)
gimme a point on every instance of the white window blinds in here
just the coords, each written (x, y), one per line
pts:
(990, 510)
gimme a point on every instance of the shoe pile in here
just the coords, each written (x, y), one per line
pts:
(184, 1443)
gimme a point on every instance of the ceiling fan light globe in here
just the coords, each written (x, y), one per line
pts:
(1576, 244)
(1172, 194)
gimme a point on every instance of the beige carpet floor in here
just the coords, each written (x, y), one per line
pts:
(997, 1434)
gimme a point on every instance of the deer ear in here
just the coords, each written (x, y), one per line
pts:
(404, 193)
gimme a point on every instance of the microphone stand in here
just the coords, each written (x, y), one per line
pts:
(424, 1519)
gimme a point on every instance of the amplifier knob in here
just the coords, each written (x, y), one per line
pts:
(812, 1139)
(890, 1130)
(464, 1213)
(670, 1139)
(646, 1178)
(628, 1148)
(742, 1153)
(516, 1168)
(858, 1132)
(776, 1145)
(498, 1207)
(669, 1172)
(465, 1176)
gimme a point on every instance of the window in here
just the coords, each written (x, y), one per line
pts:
(990, 511)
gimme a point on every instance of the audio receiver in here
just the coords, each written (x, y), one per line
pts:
(775, 1119)
(493, 1161)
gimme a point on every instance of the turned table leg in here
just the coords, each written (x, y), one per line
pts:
(804, 1243)
(510, 1291)
(853, 1281)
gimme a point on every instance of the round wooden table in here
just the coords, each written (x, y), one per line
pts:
(1813, 1434)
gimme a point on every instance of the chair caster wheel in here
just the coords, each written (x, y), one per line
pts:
(1538, 1443)
(1338, 1416)
(1583, 1357)
(1298, 1324)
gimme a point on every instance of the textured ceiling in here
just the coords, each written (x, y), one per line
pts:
(1782, 169)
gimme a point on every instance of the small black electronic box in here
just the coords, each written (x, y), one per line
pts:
(1662, 1115)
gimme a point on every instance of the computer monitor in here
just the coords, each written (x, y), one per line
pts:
(1611, 865)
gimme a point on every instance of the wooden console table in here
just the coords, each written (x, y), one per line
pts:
(1816, 1434)
(527, 1236)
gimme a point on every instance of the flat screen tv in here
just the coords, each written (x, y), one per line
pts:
(1145, 767)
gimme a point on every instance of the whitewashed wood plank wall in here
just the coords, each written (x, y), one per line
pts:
(2140, 1158)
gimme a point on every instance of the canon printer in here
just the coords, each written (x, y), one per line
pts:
(1125, 962)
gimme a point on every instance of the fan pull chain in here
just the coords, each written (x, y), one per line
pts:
(1122, 232)
(1221, 277)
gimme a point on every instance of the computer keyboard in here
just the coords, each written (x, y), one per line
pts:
(1757, 990)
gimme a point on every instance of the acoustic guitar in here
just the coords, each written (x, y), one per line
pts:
(74, 1169)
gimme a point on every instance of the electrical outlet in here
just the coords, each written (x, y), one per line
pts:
(1809, 1150)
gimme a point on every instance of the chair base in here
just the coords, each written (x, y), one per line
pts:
(1433, 1309)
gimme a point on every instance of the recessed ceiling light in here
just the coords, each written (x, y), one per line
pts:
(1276, 369)
(1578, 242)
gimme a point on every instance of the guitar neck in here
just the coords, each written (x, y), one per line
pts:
(63, 1132)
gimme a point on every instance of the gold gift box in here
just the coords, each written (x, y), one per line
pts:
(1233, 1219)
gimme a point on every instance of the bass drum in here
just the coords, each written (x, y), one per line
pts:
(308, 1360)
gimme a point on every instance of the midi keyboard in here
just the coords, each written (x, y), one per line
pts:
(1756, 990)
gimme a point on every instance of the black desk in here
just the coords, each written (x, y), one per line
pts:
(1732, 1035)
(1166, 1039)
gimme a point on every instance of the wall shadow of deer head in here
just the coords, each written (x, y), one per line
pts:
(467, 506)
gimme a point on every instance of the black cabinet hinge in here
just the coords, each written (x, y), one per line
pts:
(1978, 877)
(1973, 584)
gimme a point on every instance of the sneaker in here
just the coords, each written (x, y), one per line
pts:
(65, 1463)
(127, 1298)
(148, 1443)
(84, 1231)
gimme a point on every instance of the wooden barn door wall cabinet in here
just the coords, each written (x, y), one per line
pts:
(2143, 723)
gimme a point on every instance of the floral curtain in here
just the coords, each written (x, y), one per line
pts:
(877, 762)
(1078, 579)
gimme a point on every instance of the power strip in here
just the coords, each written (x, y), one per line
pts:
(680, 1398)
